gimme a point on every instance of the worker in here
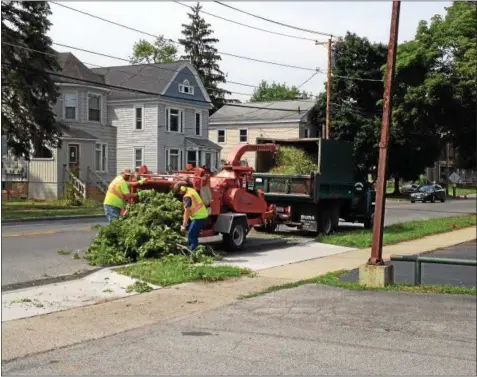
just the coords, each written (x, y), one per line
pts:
(118, 194)
(194, 210)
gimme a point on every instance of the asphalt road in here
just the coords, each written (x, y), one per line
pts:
(310, 330)
(30, 250)
(439, 274)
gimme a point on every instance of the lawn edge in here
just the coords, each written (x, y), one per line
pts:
(51, 218)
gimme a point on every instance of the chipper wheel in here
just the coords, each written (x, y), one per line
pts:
(235, 240)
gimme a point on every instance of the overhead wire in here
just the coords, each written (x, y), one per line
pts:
(176, 42)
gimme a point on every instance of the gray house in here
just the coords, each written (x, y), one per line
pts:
(164, 132)
(160, 120)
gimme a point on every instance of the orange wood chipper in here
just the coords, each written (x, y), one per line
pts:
(234, 208)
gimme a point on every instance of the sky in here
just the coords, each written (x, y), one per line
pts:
(367, 19)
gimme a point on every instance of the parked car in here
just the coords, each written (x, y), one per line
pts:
(429, 193)
(407, 189)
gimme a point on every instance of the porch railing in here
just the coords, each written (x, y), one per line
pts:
(96, 179)
(78, 186)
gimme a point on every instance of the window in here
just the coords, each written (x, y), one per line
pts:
(94, 107)
(173, 159)
(186, 88)
(138, 157)
(101, 157)
(221, 136)
(71, 104)
(192, 158)
(307, 133)
(243, 135)
(174, 120)
(138, 118)
(198, 124)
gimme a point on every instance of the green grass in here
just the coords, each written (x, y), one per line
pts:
(178, 269)
(333, 279)
(400, 232)
(23, 209)
(464, 191)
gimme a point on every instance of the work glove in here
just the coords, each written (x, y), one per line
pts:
(142, 181)
(183, 229)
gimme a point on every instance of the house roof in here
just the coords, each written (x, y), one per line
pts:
(146, 77)
(73, 133)
(203, 143)
(72, 66)
(239, 114)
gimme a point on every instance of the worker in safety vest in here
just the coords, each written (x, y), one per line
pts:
(194, 210)
(118, 194)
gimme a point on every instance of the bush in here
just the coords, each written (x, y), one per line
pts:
(293, 161)
(150, 229)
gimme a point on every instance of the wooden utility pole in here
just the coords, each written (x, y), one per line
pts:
(377, 246)
(328, 93)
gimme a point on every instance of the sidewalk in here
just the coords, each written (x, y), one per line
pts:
(43, 333)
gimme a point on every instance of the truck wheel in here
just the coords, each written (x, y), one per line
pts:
(325, 223)
(236, 238)
(368, 223)
(335, 217)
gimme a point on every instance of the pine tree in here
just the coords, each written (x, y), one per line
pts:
(200, 51)
(28, 91)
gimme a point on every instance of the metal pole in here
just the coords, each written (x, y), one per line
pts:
(377, 246)
(447, 168)
(328, 93)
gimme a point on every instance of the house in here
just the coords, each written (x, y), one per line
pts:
(161, 120)
(164, 132)
(244, 123)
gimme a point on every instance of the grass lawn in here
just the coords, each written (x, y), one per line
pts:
(36, 209)
(333, 279)
(463, 191)
(178, 269)
(401, 232)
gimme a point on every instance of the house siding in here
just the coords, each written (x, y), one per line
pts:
(285, 131)
(43, 178)
(122, 119)
(185, 74)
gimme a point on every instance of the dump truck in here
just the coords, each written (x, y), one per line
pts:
(315, 202)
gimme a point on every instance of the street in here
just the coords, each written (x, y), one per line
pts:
(30, 250)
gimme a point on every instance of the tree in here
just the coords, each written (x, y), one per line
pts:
(200, 51)
(28, 91)
(276, 92)
(160, 51)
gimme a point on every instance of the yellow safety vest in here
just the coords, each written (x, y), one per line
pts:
(197, 209)
(116, 192)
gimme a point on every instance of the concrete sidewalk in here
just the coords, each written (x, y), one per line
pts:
(42, 333)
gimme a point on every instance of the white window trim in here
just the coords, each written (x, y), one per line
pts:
(225, 136)
(242, 129)
(181, 117)
(184, 85)
(100, 106)
(64, 105)
(134, 117)
(201, 123)
(134, 156)
(168, 157)
(100, 144)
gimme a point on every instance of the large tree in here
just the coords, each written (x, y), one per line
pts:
(199, 49)
(28, 91)
(160, 51)
(276, 92)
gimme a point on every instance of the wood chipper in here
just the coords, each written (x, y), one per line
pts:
(234, 207)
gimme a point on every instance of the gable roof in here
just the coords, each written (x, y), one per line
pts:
(71, 66)
(73, 133)
(240, 114)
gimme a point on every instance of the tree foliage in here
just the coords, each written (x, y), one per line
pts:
(276, 92)
(160, 51)
(28, 91)
(199, 49)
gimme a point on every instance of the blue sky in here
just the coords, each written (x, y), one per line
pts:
(368, 19)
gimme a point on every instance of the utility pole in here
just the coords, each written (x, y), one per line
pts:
(377, 246)
(328, 93)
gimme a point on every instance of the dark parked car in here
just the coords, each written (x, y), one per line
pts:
(428, 193)
(407, 189)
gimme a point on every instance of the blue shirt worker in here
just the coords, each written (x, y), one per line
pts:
(195, 211)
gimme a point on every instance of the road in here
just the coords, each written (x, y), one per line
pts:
(310, 330)
(30, 250)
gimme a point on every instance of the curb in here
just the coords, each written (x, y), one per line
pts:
(53, 218)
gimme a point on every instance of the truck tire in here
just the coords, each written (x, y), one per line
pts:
(369, 223)
(235, 240)
(335, 217)
(325, 224)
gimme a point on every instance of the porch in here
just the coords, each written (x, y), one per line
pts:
(202, 152)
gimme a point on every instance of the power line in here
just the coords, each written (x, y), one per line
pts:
(307, 80)
(249, 26)
(275, 22)
(139, 91)
(118, 58)
(176, 42)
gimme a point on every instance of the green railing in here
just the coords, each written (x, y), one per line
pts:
(419, 260)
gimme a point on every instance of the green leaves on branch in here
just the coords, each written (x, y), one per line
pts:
(276, 92)
(150, 229)
(293, 161)
(160, 51)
